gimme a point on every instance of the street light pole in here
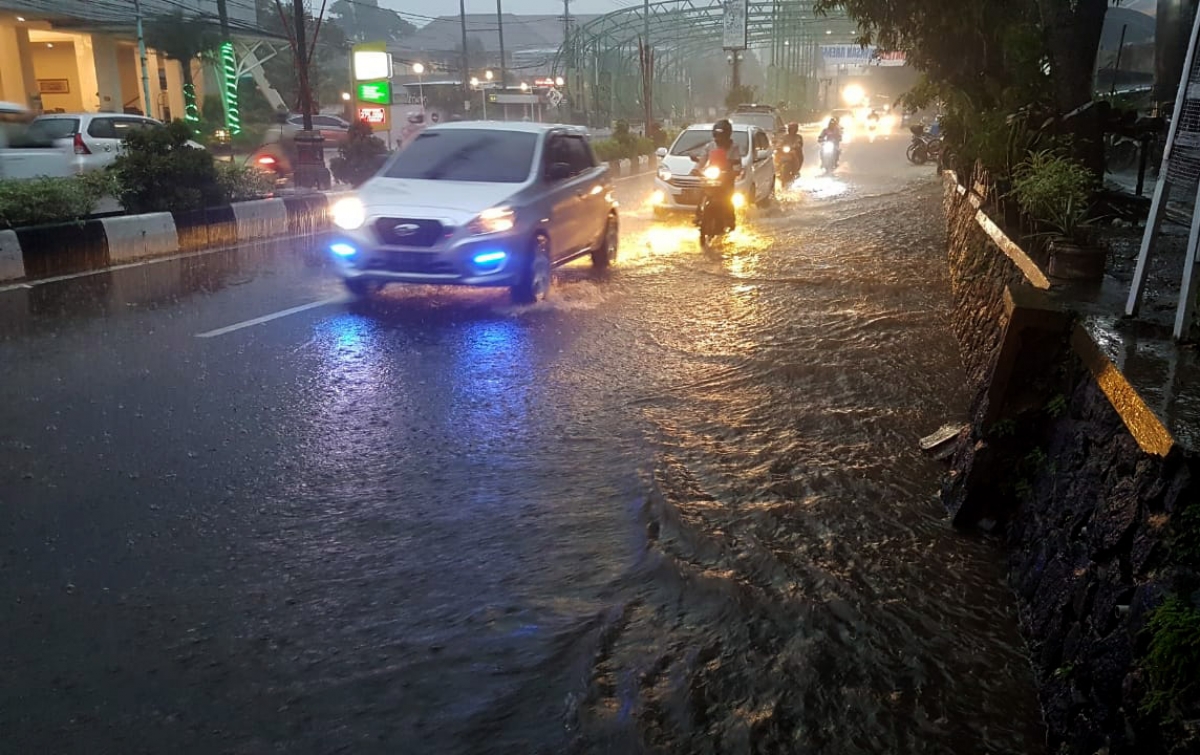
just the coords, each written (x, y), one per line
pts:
(466, 59)
(419, 70)
(137, 8)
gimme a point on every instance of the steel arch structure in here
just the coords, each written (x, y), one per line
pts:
(600, 58)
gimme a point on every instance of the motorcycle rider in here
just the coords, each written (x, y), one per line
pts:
(723, 152)
(833, 133)
(795, 144)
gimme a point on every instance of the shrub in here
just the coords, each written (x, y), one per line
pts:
(616, 149)
(37, 201)
(1055, 191)
(359, 157)
(159, 172)
(1173, 659)
(241, 182)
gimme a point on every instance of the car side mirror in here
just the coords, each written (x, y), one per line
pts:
(558, 171)
(660, 152)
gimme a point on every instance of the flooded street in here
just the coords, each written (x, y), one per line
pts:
(677, 508)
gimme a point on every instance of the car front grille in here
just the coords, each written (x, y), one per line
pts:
(422, 263)
(686, 182)
(418, 233)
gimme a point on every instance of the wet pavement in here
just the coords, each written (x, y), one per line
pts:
(677, 508)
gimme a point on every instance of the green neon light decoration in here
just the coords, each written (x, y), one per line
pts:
(191, 114)
(233, 118)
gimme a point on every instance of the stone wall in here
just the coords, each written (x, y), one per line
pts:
(1087, 514)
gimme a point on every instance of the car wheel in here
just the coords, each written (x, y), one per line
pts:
(766, 200)
(362, 289)
(605, 252)
(535, 281)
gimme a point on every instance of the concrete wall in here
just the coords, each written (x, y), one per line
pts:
(1086, 495)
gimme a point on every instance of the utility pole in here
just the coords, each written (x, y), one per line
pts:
(310, 151)
(137, 8)
(647, 68)
(466, 59)
(500, 32)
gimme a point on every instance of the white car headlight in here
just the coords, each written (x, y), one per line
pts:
(494, 220)
(348, 213)
(665, 173)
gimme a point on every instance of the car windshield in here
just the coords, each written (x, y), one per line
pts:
(765, 121)
(694, 139)
(483, 155)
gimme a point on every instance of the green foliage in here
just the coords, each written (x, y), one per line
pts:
(330, 61)
(241, 182)
(1173, 658)
(159, 172)
(1004, 428)
(1185, 536)
(1056, 406)
(1055, 190)
(182, 38)
(38, 201)
(615, 149)
(360, 157)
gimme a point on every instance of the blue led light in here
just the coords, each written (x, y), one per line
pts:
(342, 250)
(489, 258)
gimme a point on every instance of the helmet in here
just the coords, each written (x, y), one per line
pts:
(723, 127)
(833, 121)
(793, 128)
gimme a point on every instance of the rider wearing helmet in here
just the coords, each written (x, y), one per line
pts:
(724, 152)
(790, 147)
(832, 132)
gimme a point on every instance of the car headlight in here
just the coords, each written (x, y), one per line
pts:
(665, 173)
(494, 220)
(348, 213)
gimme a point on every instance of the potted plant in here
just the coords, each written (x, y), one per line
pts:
(1056, 191)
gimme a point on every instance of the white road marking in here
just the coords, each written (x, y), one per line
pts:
(273, 316)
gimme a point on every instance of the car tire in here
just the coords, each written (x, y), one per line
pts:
(535, 278)
(362, 289)
(608, 247)
(766, 200)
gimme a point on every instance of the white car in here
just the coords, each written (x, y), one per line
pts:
(677, 188)
(93, 138)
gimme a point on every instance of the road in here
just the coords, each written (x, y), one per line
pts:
(678, 507)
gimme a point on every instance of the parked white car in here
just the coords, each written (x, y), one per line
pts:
(677, 188)
(93, 138)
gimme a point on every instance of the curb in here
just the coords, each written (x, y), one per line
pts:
(48, 251)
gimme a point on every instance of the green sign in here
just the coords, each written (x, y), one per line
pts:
(378, 92)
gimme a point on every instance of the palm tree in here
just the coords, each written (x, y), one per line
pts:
(183, 39)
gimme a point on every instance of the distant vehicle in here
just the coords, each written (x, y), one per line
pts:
(25, 154)
(766, 117)
(332, 128)
(478, 204)
(93, 140)
(677, 189)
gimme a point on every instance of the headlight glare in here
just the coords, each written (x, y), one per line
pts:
(348, 213)
(665, 173)
(494, 220)
(712, 172)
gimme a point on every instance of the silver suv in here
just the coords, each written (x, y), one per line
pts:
(478, 204)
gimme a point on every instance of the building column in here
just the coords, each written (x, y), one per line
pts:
(108, 74)
(17, 80)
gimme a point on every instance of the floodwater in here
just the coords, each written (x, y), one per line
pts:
(678, 508)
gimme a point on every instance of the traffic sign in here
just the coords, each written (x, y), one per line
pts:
(556, 97)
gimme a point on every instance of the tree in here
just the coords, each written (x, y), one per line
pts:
(327, 70)
(363, 22)
(183, 39)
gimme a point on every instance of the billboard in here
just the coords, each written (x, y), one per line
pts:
(734, 36)
(857, 55)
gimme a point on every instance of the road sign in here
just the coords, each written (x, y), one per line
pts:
(372, 62)
(556, 97)
(375, 116)
(514, 99)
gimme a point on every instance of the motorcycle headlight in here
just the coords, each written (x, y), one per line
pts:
(494, 220)
(712, 173)
(348, 213)
(665, 173)
(787, 150)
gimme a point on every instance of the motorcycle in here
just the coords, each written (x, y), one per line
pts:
(788, 166)
(830, 155)
(274, 160)
(924, 146)
(715, 215)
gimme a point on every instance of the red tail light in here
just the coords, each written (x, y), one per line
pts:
(80, 147)
(266, 160)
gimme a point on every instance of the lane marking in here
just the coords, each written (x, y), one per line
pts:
(273, 316)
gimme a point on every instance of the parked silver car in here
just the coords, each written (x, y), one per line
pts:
(94, 139)
(478, 204)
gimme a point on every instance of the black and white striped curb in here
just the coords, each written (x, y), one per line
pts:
(48, 251)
